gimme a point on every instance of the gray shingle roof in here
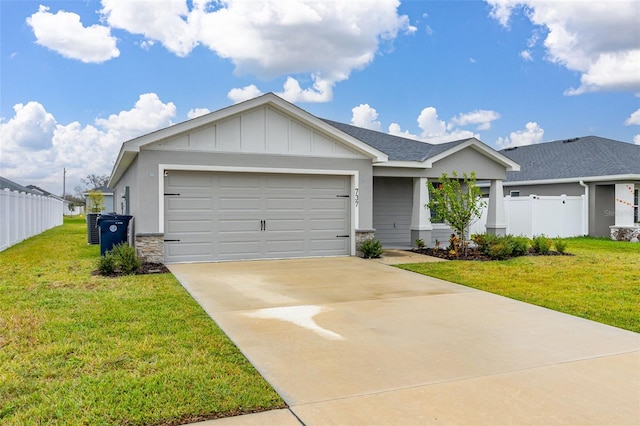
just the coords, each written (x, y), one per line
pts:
(396, 147)
(6, 183)
(588, 156)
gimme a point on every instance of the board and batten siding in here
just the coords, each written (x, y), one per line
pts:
(392, 205)
(259, 131)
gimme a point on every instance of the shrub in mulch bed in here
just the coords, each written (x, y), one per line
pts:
(494, 247)
(144, 269)
(474, 254)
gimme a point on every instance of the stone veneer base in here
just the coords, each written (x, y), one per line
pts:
(625, 233)
(150, 247)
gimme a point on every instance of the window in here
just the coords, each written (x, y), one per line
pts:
(514, 193)
(433, 216)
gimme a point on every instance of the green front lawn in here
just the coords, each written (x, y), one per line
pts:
(82, 349)
(600, 282)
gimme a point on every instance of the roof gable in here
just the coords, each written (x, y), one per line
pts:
(574, 159)
(263, 125)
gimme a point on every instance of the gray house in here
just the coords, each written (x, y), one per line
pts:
(108, 200)
(605, 171)
(266, 179)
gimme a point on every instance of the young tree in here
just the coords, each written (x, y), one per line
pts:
(96, 201)
(456, 202)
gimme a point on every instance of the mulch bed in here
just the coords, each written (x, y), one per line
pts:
(146, 268)
(473, 254)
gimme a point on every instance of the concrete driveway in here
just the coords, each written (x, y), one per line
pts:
(350, 341)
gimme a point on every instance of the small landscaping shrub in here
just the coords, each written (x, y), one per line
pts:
(126, 258)
(122, 257)
(420, 243)
(106, 264)
(501, 249)
(560, 245)
(520, 245)
(541, 244)
(371, 248)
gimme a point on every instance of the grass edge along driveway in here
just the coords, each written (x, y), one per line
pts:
(600, 282)
(79, 349)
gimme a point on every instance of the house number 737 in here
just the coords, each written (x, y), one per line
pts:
(356, 199)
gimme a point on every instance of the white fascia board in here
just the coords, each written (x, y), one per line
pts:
(610, 178)
(474, 143)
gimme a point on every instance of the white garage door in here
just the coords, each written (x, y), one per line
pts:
(230, 216)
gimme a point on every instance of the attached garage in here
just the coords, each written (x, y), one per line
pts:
(212, 216)
(264, 179)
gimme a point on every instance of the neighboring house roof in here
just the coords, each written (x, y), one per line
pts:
(575, 159)
(6, 183)
(40, 191)
(104, 189)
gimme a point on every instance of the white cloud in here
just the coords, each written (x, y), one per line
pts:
(636, 139)
(64, 33)
(396, 130)
(531, 134)
(433, 129)
(82, 150)
(197, 112)
(634, 118)
(327, 40)
(148, 114)
(30, 128)
(245, 93)
(481, 117)
(596, 38)
(321, 91)
(526, 55)
(165, 21)
(366, 117)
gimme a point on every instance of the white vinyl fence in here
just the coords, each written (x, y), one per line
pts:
(554, 216)
(24, 215)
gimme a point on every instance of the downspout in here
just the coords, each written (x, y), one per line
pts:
(586, 211)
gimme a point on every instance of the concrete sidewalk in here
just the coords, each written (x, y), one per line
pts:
(348, 341)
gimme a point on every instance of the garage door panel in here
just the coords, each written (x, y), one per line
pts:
(190, 226)
(330, 245)
(240, 250)
(189, 203)
(239, 204)
(239, 181)
(285, 183)
(338, 224)
(285, 204)
(227, 226)
(303, 215)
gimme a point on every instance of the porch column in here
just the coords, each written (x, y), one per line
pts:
(496, 220)
(420, 215)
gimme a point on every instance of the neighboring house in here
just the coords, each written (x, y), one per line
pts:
(68, 209)
(109, 201)
(266, 179)
(606, 172)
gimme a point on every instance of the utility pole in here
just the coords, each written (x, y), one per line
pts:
(64, 182)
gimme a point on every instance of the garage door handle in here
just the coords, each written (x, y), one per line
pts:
(166, 193)
(263, 225)
(342, 196)
(169, 241)
(342, 236)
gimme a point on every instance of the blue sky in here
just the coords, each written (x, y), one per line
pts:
(78, 78)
